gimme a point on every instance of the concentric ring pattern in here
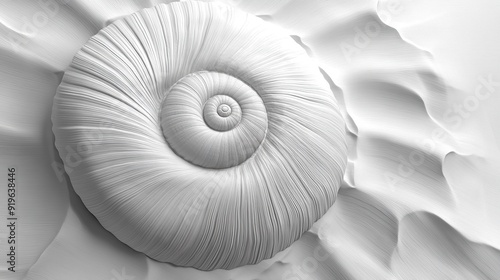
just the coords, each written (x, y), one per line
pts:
(200, 135)
(200, 107)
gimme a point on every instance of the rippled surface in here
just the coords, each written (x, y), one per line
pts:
(418, 85)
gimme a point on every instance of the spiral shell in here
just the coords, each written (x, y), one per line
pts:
(199, 135)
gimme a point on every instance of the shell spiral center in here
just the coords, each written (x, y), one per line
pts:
(207, 118)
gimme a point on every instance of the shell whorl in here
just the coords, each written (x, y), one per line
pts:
(213, 120)
(200, 135)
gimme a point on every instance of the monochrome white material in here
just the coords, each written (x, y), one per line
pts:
(201, 106)
(200, 135)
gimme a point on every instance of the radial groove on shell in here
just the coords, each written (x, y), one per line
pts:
(199, 135)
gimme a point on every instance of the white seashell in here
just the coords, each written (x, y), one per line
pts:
(215, 141)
